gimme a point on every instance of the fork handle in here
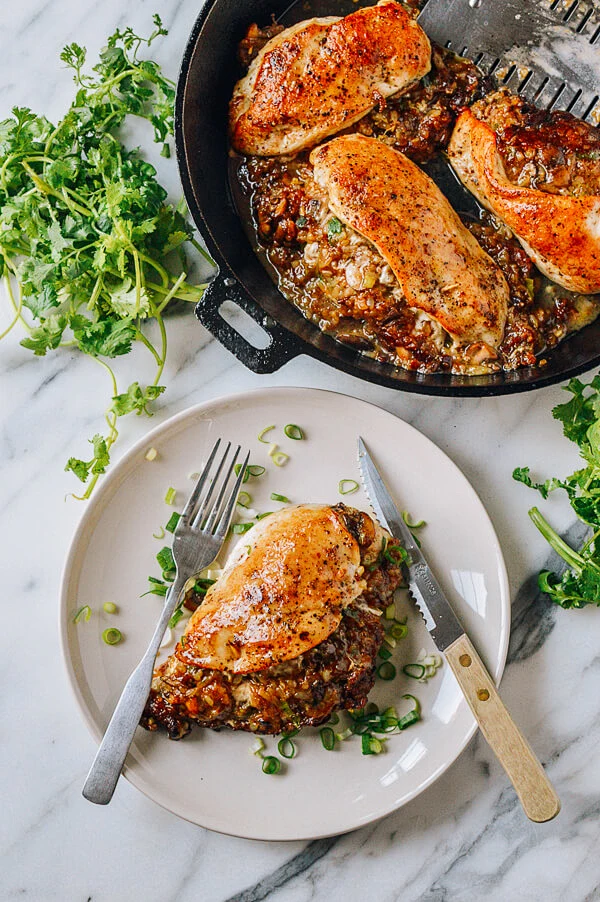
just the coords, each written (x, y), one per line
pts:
(110, 757)
(536, 793)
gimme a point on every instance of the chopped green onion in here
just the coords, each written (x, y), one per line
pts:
(327, 738)
(333, 720)
(345, 734)
(370, 745)
(399, 631)
(348, 486)
(390, 612)
(389, 641)
(258, 746)
(170, 496)
(110, 607)
(112, 636)
(334, 227)
(159, 535)
(173, 521)
(165, 559)
(201, 586)
(301, 222)
(409, 719)
(282, 498)
(248, 548)
(386, 671)
(406, 518)
(291, 733)
(262, 516)
(251, 470)
(271, 765)
(151, 454)
(264, 432)
(414, 671)
(83, 613)
(415, 701)
(241, 528)
(244, 499)
(280, 458)
(177, 615)
(384, 653)
(286, 748)
(294, 432)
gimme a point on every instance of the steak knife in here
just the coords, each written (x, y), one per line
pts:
(536, 793)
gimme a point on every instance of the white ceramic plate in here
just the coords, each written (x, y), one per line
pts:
(211, 778)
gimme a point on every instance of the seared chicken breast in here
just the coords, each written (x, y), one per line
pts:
(322, 75)
(288, 633)
(536, 172)
(439, 265)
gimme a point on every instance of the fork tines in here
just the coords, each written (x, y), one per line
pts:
(201, 511)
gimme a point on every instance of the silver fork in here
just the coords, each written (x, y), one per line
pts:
(197, 540)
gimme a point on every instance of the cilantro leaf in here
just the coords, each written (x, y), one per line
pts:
(45, 337)
(106, 338)
(136, 398)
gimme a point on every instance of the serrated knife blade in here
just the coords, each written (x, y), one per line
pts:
(440, 619)
(514, 753)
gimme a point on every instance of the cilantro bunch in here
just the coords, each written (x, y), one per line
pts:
(90, 250)
(579, 583)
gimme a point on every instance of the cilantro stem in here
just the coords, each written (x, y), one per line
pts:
(171, 294)
(145, 341)
(45, 188)
(572, 558)
(201, 250)
(17, 307)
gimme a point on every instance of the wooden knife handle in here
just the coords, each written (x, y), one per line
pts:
(537, 795)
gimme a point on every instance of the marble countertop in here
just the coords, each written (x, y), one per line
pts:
(465, 837)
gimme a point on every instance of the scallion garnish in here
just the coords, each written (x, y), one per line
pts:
(371, 745)
(251, 470)
(294, 432)
(166, 561)
(398, 630)
(282, 498)
(258, 747)
(327, 738)
(151, 454)
(334, 227)
(244, 499)
(173, 521)
(348, 486)
(262, 516)
(414, 671)
(159, 535)
(110, 607)
(286, 748)
(301, 222)
(406, 517)
(386, 671)
(170, 496)
(241, 528)
(112, 636)
(390, 612)
(83, 613)
(384, 653)
(279, 458)
(271, 765)
(263, 432)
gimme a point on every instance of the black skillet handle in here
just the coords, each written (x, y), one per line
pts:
(283, 346)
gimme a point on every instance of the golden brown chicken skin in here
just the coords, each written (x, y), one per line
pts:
(556, 220)
(305, 668)
(439, 265)
(322, 75)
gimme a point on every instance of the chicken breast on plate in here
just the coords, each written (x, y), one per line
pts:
(289, 632)
(439, 265)
(322, 75)
(539, 173)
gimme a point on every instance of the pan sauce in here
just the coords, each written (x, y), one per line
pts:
(341, 283)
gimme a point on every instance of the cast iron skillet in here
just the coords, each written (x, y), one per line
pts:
(208, 73)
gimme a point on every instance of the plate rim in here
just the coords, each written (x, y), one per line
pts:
(102, 496)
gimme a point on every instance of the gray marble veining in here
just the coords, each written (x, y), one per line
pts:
(463, 839)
